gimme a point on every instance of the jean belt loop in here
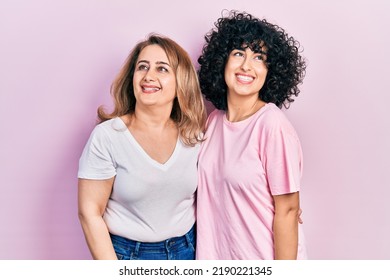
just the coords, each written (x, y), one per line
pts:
(137, 245)
(188, 239)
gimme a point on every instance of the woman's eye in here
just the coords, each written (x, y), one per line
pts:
(259, 57)
(238, 54)
(142, 67)
(162, 69)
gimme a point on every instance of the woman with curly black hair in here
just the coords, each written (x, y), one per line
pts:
(250, 164)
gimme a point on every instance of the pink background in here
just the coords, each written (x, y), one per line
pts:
(58, 59)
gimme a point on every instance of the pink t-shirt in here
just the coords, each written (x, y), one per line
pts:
(241, 166)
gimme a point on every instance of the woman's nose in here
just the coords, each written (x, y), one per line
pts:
(149, 76)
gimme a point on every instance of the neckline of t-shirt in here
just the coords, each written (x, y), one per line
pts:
(239, 123)
(138, 146)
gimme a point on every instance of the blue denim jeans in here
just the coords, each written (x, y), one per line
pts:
(176, 248)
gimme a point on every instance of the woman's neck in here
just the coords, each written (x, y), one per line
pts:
(241, 109)
(152, 118)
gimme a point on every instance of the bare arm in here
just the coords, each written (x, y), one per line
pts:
(286, 226)
(93, 196)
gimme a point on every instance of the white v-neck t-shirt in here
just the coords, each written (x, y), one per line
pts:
(150, 201)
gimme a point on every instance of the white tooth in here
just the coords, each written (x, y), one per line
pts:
(150, 89)
(245, 78)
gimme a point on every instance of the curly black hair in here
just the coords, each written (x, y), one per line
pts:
(286, 67)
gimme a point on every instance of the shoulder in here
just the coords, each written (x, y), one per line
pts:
(110, 127)
(271, 111)
(275, 120)
(216, 114)
(107, 131)
(114, 124)
(215, 118)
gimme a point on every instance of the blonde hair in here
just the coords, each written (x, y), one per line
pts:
(188, 110)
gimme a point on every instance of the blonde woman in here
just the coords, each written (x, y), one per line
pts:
(138, 171)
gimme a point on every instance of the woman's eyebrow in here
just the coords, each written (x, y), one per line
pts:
(163, 62)
(143, 61)
(157, 62)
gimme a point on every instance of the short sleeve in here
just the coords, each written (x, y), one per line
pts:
(96, 161)
(283, 160)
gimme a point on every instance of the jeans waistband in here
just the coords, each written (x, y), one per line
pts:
(170, 242)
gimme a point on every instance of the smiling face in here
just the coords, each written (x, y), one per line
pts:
(154, 79)
(245, 73)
